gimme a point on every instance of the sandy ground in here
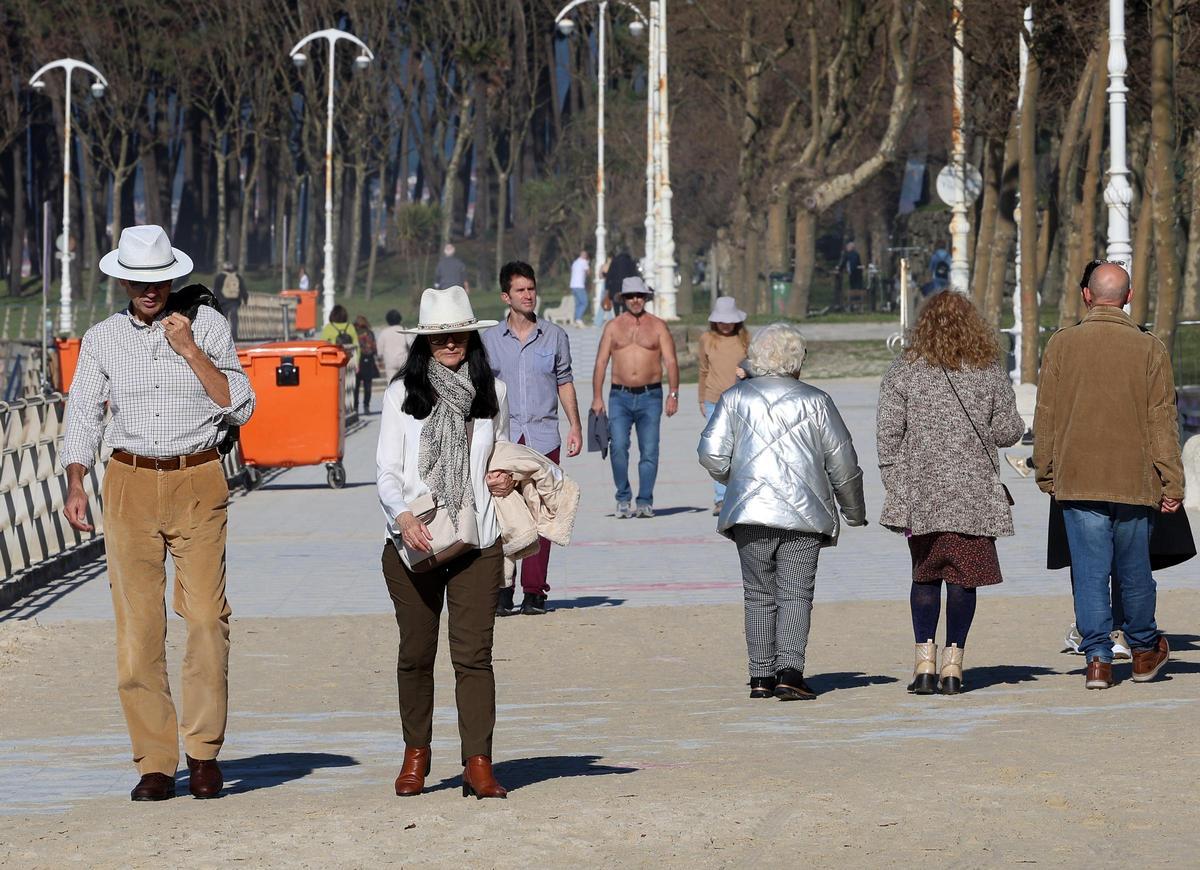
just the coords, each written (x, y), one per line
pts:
(627, 739)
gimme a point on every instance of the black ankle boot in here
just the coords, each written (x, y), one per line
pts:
(504, 604)
(790, 686)
(762, 687)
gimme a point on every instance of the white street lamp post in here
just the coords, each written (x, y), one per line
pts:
(960, 270)
(331, 36)
(1118, 194)
(664, 241)
(649, 260)
(566, 26)
(1015, 374)
(66, 318)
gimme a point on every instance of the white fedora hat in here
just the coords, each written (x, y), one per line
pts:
(725, 310)
(635, 286)
(447, 310)
(145, 254)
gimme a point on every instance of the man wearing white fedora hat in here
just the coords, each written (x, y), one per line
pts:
(173, 387)
(640, 346)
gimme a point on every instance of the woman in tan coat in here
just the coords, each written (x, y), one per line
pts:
(944, 407)
(722, 349)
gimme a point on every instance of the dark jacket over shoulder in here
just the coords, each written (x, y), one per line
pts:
(1106, 426)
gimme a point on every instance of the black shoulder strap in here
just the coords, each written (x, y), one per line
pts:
(991, 458)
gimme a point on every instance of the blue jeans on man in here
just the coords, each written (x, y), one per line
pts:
(581, 301)
(642, 410)
(1111, 539)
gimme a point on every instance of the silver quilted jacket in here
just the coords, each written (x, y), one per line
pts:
(781, 448)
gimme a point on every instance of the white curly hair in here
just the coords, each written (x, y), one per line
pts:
(778, 349)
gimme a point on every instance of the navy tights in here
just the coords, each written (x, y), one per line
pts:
(926, 602)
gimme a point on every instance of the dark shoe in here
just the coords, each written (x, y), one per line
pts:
(1148, 662)
(1099, 675)
(533, 605)
(505, 605)
(154, 787)
(205, 780)
(762, 687)
(413, 771)
(479, 780)
(717, 505)
(790, 686)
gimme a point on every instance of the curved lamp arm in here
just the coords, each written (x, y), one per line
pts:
(333, 35)
(68, 63)
(574, 3)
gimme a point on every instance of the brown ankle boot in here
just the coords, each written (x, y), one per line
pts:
(479, 780)
(411, 780)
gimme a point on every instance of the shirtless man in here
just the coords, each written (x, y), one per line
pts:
(640, 345)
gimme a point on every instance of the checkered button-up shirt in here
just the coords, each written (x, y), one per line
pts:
(159, 407)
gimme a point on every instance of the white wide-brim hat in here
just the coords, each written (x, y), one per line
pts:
(725, 310)
(145, 254)
(447, 310)
(635, 286)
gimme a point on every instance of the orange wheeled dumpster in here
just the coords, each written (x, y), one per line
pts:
(298, 417)
(306, 309)
(68, 359)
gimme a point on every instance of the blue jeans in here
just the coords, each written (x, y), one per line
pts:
(581, 301)
(643, 410)
(718, 487)
(1111, 539)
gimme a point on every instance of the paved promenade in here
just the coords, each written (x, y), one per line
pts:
(623, 726)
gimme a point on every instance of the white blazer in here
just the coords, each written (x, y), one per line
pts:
(396, 463)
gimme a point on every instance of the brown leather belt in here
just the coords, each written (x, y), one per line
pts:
(168, 463)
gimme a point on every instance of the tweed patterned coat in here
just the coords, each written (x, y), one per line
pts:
(937, 476)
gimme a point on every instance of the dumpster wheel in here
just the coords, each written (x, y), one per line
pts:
(252, 478)
(335, 475)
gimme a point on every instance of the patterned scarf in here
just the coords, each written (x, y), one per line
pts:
(443, 459)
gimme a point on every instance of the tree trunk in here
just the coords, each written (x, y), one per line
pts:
(777, 214)
(461, 138)
(119, 179)
(1029, 228)
(1143, 233)
(685, 298)
(222, 159)
(87, 202)
(1083, 244)
(1162, 124)
(806, 255)
(502, 216)
(249, 191)
(993, 156)
(1191, 280)
(381, 221)
(356, 225)
(17, 242)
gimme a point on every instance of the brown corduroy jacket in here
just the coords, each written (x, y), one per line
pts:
(1106, 426)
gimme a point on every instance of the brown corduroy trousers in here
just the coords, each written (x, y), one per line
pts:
(148, 514)
(470, 585)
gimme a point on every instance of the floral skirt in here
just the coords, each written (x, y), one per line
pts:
(964, 560)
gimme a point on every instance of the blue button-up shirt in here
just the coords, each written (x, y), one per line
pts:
(533, 370)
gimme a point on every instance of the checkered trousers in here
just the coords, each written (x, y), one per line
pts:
(779, 573)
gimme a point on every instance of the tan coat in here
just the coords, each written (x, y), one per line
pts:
(1106, 427)
(543, 504)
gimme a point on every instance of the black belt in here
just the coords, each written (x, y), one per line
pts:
(635, 390)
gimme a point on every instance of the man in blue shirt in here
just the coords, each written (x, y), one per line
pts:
(533, 358)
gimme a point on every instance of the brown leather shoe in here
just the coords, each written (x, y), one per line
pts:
(1099, 675)
(154, 787)
(413, 771)
(1148, 662)
(205, 779)
(479, 780)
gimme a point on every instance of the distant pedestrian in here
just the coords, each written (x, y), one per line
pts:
(302, 282)
(229, 287)
(640, 346)
(722, 350)
(339, 331)
(161, 391)
(533, 356)
(368, 363)
(579, 275)
(621, 266)
(1107, 449)
(393, 343)
(450, 271)
(945, 405)
(781, 447)
(440, 422)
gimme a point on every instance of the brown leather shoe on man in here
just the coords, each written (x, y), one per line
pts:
(205, 780)
(411, 781)
(479, 780)
(153, 787)
(1148, 662)
(1099, 675)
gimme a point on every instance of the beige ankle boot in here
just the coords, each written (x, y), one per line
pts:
(925, 673)
(952, 677)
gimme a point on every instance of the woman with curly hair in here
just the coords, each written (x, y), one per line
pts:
(945, 406)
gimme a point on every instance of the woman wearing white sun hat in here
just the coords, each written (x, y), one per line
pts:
(722, 350)
(441, 417)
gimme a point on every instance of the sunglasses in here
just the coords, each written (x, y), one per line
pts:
(641, 296)
(445, 338)
(1095, 264)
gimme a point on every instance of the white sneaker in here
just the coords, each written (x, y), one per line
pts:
(1019, 464)
(1073, 640)
(1120, 647)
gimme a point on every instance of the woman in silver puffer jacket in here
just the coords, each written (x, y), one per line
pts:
(788, 463)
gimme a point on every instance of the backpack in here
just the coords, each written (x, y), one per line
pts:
(344, 338)
(188, 302)
(231, 288)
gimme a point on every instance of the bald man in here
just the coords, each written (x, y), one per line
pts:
(1107, 449)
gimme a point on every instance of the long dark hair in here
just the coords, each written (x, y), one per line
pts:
(418, 392)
